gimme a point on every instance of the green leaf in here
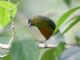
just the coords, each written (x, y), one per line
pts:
(53, 53)
(4, 17)
(76, 20)
(24, 49)
(9, 6)
(8, 57)
(6, 11)
(68, 2)
(48, 55)
(64, 17)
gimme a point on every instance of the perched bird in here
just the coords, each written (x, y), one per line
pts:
(45, 25)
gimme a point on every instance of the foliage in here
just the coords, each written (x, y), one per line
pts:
(53, 53)
(24, 50)
(64, 17)
(75, 21)
(7, 10)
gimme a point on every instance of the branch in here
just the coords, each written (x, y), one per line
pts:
(7, 46)
(53, 46)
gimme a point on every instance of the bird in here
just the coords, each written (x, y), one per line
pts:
(44, 24)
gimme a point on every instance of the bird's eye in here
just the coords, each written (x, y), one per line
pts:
(29, 22)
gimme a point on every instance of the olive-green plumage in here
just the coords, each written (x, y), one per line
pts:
(44, 24)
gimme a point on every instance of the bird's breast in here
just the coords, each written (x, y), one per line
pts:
(46, 32)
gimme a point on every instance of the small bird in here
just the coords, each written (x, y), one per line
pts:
(45, 25)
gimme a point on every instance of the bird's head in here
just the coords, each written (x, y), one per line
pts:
(35, 21)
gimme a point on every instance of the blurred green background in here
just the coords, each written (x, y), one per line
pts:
(25, 41)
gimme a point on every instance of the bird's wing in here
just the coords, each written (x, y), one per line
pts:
(51, 23)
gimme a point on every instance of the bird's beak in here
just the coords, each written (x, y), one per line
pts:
(29, 22)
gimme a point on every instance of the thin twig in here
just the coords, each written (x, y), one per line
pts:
(53, 46)
(7, 46)
(13, 34)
